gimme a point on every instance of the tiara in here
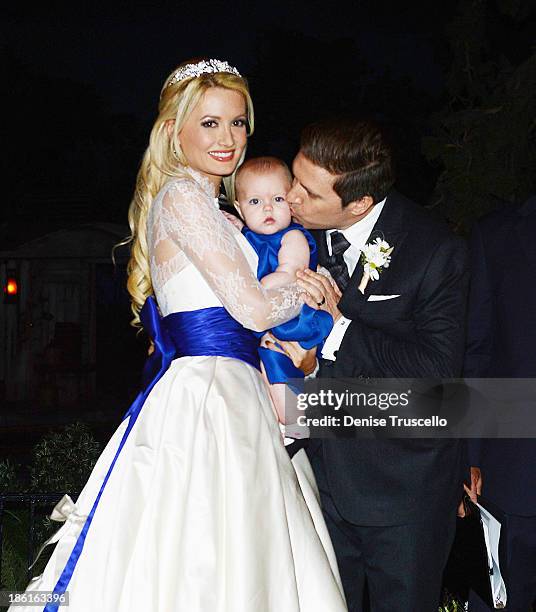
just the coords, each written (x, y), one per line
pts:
(203, 67)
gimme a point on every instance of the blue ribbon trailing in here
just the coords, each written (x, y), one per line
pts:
(209, 331)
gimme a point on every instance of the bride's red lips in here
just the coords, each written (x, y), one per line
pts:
(222, 156)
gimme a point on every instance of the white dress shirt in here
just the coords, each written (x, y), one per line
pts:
(356, 235)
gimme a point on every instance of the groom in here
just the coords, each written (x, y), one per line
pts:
(390, 505)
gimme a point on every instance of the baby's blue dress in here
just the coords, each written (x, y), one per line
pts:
(310, 328)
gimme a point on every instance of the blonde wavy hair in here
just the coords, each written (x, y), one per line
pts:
(163, 159)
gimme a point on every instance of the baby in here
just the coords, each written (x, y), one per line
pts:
(283, 248)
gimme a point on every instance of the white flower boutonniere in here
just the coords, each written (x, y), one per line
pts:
(375, 257)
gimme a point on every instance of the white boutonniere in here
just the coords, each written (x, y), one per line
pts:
(375, 257)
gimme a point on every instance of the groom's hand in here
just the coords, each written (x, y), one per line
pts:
(475, 488)
(322, 292)
(473, 491)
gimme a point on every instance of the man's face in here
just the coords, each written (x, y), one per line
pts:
(313, 201)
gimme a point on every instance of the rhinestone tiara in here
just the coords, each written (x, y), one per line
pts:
(203, 67)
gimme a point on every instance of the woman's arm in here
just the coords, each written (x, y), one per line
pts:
(190, 219)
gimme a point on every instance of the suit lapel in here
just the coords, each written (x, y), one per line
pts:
(525, 226)
(389, 227)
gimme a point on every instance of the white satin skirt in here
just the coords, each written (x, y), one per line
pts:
(203, 510)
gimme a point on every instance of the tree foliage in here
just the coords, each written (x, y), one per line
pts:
(483, 138)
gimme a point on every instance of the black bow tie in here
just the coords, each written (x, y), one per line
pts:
(335, 263)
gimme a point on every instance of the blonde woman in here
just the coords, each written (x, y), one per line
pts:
(194, 504)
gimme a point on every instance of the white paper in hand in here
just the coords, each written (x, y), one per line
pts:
(492, 534)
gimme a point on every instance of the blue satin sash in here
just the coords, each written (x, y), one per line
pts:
(310, 328)
(205, 332)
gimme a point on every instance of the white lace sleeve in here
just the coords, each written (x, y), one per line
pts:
(185, 215)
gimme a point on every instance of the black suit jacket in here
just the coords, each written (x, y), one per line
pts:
(419, 334)
(501, 342)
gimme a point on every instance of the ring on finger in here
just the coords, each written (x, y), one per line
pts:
(322, 302)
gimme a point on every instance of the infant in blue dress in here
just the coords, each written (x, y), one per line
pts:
(283, 248)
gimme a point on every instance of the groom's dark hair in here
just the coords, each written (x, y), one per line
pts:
(357, 151)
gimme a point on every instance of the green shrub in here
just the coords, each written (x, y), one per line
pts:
(62, 461)
(9, 483)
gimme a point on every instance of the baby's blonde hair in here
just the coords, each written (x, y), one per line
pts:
(163, 159)
(260, 165)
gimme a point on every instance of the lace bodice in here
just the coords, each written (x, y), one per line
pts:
(199, 259)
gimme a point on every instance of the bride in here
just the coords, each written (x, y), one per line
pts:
(194, 504)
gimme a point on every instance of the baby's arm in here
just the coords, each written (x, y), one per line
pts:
(292, 257)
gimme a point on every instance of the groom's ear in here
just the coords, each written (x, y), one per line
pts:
(361, 207)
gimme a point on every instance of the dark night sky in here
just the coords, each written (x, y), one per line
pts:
(125, 50)
(83, 84)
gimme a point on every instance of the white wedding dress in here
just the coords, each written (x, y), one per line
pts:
(203, 510)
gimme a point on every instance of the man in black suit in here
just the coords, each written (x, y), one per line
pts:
(390, 505)
(501, 343)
